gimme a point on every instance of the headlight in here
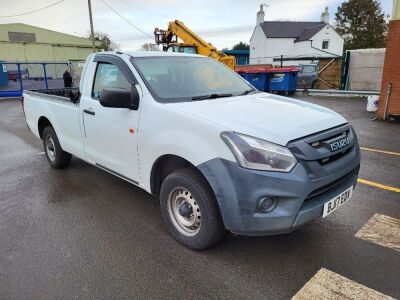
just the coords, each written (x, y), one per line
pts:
(253, 153)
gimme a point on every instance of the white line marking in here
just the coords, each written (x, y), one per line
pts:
(327, 285)
(382, 230)
(40, 153)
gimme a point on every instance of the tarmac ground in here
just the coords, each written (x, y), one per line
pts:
(83, 233)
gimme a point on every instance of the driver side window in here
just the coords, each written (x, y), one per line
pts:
(108, 76)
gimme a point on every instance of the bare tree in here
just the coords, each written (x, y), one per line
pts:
(105, 41)
(149, 47)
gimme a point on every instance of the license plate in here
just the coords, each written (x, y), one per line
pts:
(336, 202)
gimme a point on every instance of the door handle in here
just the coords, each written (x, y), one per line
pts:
(89, 111)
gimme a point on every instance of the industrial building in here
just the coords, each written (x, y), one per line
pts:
(30, 44)
(241, 56)
(26, 43)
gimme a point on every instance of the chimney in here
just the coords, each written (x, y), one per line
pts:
(325, 16)
(260, 15)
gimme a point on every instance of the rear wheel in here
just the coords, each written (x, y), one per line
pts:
(314, 85)
(56, 156)
(190, 210)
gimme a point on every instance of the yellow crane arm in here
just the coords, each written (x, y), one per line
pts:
(177, 29)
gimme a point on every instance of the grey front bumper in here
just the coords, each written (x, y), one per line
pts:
(300, 194)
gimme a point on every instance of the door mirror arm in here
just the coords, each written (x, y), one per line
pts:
(135, 98)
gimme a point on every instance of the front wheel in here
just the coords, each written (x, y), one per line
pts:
(190, 210)
(56, 156)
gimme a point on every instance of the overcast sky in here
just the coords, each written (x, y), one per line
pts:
(221, 22)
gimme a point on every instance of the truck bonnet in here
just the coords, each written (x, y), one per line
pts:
(270, 117)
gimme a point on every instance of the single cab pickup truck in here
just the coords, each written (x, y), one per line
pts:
(218, 154)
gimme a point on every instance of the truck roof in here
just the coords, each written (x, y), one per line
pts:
(150, 53)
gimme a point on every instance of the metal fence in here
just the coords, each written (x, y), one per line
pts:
(19, 76)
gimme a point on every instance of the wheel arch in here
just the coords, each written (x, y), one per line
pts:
(42, 124)
(165, 165)
(162, 167)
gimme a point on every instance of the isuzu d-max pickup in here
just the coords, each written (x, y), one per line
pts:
(217, 153)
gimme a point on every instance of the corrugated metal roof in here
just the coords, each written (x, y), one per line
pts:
(236, 52)
(43, 35)
(286, 29)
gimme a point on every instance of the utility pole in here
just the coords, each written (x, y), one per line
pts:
(91, 26)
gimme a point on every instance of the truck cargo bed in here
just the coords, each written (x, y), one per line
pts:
(71, 94)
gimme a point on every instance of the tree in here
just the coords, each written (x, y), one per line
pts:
(362, 24)
(149, 47)
(241, 46)
(105, 41)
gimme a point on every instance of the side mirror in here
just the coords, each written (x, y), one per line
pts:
(120, 98)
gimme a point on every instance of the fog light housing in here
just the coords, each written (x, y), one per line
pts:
(266, 204)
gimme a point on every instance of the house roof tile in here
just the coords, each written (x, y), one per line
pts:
(301, 31)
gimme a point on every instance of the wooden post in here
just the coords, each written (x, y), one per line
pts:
(91, 26)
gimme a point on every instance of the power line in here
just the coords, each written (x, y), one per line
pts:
(157, 13)
(33, 11)
(145, 9)
(126, 20)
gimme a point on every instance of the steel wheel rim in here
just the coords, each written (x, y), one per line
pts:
(50, 148)
(187, 225)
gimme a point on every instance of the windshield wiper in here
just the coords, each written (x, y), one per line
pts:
(247, 92)
(210, 96)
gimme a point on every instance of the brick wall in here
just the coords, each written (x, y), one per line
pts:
(391, 71)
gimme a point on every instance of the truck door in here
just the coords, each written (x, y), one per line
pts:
(111, 133)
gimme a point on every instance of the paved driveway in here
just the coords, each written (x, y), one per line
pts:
(82, 233)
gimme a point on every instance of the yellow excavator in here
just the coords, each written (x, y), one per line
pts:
(192, 43)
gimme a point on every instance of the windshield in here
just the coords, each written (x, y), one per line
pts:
(173, 79)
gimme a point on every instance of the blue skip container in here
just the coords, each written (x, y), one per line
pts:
(259, 80)
(283, 79)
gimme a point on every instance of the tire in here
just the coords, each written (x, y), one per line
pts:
(313, 85)
(187, 190)
(56, 156)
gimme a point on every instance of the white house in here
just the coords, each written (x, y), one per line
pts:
(293, 39)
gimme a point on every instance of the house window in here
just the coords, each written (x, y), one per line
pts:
(325, 44)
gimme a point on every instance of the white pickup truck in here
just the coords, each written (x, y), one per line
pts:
(218, 154)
